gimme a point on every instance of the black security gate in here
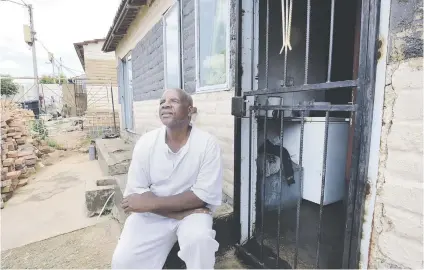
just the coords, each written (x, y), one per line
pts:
(309, 131)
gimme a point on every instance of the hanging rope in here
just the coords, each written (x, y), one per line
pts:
(286, 19)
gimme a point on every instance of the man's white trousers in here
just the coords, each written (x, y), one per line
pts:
(147, 239)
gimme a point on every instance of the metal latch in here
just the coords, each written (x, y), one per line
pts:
(238, 107)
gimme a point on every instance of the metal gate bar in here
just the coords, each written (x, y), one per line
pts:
(281, 189)
(304, 88)
(308, 27)
(299, 201)
(280, 109)
(330, 47)
(263, 189)
(324, 169)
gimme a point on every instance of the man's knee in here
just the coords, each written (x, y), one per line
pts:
(199, 236)
(198, 247)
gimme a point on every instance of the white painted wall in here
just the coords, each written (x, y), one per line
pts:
(397, 237)
(94, 51)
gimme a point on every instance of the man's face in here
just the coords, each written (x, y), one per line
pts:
(173, 111)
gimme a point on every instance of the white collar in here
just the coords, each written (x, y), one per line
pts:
(183, 150)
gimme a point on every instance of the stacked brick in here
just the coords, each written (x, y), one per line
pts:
(18, 156)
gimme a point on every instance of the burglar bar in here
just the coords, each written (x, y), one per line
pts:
(265, 130)
(280, 109)
(302, 130)
(281, 113)
(285, 68)
(324, 170)
(263, 187)
(308, 22)
(250, 175)
(267, 44)
(330, 47)
(305, 88)
(330, 108)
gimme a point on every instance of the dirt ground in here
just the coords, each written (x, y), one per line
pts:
(87, 248)
(44, 224)
(52, 203)
(66, 134)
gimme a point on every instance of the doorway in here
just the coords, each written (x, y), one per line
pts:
(301, 126)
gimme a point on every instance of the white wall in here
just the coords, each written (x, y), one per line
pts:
(94, 51)
(397, 239)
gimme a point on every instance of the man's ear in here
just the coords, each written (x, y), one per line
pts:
(192, 110)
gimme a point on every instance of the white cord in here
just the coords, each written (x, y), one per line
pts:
(104, 206)
(286, 20)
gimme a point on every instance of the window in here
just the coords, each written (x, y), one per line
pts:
(171, 42)
(212, 30)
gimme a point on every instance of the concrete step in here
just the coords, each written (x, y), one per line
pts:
(114, 156)
(98, 195)
(117, 212)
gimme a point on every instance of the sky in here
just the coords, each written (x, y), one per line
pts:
(59, 24)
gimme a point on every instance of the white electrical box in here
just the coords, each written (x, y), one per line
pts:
(27, 34)
(312, 158)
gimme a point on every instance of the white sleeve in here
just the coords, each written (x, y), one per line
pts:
(138, 173)
(208, 186)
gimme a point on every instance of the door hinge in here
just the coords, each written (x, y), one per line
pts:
(238, 107)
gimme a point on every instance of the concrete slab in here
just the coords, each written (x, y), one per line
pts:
(117, 212)
(98, 195)
(52, 203)
(114, 155)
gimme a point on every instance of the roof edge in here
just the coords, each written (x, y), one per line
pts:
(126, 12)
(79, 48)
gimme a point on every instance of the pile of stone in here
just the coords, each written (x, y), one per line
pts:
(18, 154)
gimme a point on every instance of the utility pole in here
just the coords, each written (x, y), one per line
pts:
(30, 40)
(34, 53)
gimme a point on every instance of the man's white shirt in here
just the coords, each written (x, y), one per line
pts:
(197, 166)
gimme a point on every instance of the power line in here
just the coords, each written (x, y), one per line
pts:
(42, 44)
(71, 70)
(24, 4)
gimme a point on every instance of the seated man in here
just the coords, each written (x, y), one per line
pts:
(174, 185)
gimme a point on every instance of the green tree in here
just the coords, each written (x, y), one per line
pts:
(8, 87)
(46, 79)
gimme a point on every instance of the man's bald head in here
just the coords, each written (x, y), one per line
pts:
(185, 97)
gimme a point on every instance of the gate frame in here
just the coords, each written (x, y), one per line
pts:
(246, 70)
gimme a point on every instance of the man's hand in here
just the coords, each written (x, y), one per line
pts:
(139, 203)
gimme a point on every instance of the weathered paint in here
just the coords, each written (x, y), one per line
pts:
(397, 227)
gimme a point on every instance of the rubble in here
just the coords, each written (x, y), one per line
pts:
(19, 154)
